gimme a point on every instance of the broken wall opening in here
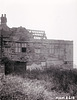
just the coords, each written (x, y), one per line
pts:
(19, 67)
(13, 66)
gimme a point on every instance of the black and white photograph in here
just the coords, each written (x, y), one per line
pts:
(38, 50)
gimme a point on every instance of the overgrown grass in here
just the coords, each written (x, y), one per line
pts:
(39, 85)
(62, 80)
(17, 88)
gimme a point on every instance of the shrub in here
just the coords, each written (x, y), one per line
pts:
(17, 88)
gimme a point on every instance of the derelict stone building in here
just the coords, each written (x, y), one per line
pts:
(26, 46)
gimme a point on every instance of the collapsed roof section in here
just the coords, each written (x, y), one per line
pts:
(19, 33)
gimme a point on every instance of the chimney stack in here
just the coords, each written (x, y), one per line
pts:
(3, 19)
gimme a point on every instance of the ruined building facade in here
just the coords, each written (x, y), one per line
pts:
(32, 46)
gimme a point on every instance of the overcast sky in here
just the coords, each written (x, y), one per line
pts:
(58, 18)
